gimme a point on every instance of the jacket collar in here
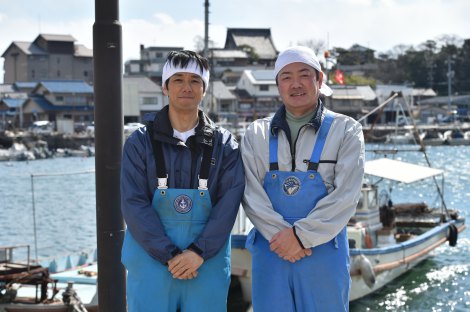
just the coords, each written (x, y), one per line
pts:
(279, 120)
(163, 131)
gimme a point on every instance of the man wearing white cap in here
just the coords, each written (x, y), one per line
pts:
(304, 170)
(181, 185)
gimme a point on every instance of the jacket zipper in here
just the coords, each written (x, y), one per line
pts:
(294, 149)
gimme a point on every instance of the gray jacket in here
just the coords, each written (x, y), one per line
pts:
(341, 167)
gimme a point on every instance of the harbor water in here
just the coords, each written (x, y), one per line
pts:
(62, 210)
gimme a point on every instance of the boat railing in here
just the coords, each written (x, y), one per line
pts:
(7, 253)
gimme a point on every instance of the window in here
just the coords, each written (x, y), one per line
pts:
(225, 107)
(149, 100)
(58, 73)
(264, 88)
(33, 73)
(85, 73)
(59, 98)
(76, 100)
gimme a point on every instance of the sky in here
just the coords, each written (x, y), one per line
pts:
(378, 24)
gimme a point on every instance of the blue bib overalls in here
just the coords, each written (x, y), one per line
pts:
(150, 286)
(319, 282)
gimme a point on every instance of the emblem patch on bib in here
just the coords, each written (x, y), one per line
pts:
(183, 204)
(291, 186)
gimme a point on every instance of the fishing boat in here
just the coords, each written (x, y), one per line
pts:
(30, 286)
(387, 239)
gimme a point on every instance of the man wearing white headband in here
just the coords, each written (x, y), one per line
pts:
(181, 185)
(304, 170)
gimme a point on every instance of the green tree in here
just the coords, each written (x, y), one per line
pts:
(253, 56)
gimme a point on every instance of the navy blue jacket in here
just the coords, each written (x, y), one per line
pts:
(226, 183)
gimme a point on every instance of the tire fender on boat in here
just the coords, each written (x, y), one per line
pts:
(364, 266)
(452, 235)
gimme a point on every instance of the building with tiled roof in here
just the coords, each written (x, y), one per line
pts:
(60, 100)
(256, 42)
(48, 57)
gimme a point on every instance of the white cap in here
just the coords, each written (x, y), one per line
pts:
(300, 54)
(193, 67)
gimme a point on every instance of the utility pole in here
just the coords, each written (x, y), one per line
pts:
(450, 74)
(210, 105)
(206, 28)
(107, 57)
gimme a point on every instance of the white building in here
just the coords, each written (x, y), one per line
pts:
(140, 95)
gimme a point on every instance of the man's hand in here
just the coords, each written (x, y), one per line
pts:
(185, 265)
(286, 246)
(301, 254)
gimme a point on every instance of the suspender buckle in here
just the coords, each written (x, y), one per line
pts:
(162, 183)
(202, 184)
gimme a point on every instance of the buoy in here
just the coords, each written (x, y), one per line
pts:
(452, 235)
(362, 264)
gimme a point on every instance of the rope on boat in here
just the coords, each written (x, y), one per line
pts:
(72, 300)
(423, 149)
(378, 107)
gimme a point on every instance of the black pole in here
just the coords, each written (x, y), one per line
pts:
(206, 28)
(107, 54)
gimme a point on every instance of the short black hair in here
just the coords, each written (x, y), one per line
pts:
(183, 57)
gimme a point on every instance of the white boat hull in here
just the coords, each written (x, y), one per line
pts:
(388, 262)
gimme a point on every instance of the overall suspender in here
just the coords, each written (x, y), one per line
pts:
(317, 150)
(162, 174)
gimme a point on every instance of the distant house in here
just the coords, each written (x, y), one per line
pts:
(261, 86)
(227, 61)
(5, 89)
(140, 95)
(438, 107)
(399, 105)
(48, 57)
(228, 65)
(11, 112)
(256, 42)
(12, 100)
(351, 100)
(150, 63)
(60, 100)
(25, 87)
(219, 99)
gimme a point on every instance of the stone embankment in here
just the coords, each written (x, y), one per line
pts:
(24, 145)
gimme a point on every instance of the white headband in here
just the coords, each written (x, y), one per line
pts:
(169, 70)
(299, 54)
